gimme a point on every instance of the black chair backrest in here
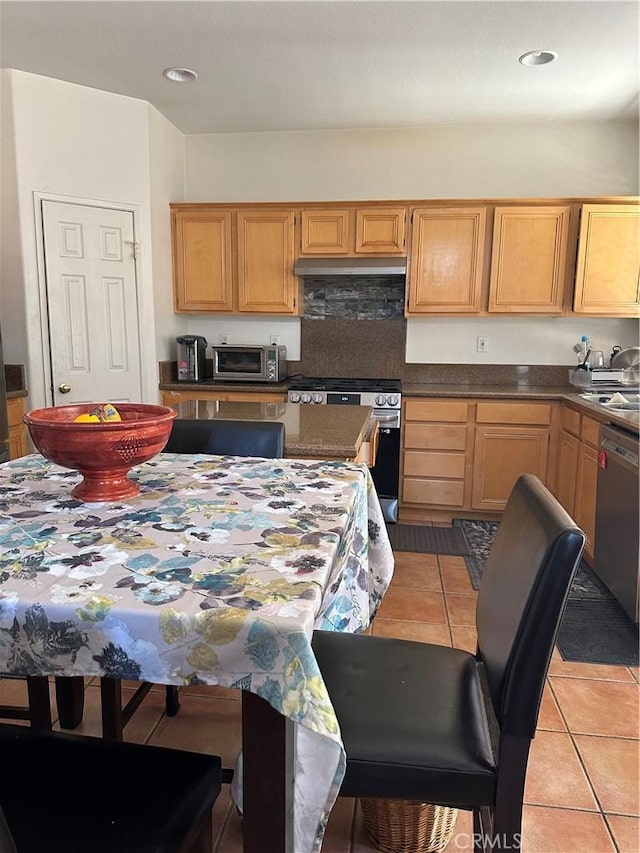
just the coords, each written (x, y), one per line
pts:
(227, 438)
(521, 600)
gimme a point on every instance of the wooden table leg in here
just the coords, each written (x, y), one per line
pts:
(268, 747)
(70, 701)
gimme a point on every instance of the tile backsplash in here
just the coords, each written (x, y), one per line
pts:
(354, 298)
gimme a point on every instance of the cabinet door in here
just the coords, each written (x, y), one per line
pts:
(501, 454)
(266, 283)
(325, 232)
(18, 442)
(447, 255)
(567, 470)
(202, 266)
(608, 268)
(528, 259)
(380, 230)
(585, 501)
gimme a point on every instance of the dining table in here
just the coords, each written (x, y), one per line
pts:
(216, 573)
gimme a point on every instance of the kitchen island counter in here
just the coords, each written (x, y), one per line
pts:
(323, 432)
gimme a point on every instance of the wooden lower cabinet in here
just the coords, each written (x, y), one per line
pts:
(585, 501)
(577, 477)
(568, 452)
(172, 398)
(18, 440)
(436, 452)
(512, 438)
(467, 454)
(501, 454)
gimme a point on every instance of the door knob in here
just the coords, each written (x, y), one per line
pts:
(63, 388)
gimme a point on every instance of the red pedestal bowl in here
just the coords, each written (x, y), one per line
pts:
(103, 453)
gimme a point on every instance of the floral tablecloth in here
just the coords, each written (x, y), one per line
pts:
(217, 573)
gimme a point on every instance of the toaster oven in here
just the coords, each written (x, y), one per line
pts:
(250, 362)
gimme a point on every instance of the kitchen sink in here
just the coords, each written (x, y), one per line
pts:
(630, 403)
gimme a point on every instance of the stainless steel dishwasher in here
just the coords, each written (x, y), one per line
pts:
(616, 558)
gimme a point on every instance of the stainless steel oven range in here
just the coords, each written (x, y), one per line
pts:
(385, 397)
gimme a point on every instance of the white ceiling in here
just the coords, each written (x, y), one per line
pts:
(306, 65)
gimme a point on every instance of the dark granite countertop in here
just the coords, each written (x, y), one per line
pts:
(468, 389)
(325, 432)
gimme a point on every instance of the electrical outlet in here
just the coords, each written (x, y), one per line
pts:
(482, 344)
(224, 339)
(274, 339)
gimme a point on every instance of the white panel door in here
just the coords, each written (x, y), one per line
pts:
(92, 303)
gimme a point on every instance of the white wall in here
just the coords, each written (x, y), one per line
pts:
(79, 142)
(12, 297)
(474, 161)
(513, 340)
(166, 181)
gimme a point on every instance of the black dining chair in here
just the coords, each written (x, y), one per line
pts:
(436, 724)
(227, 438)
(62, 792)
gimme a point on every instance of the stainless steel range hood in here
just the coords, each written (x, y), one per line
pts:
(350, 266)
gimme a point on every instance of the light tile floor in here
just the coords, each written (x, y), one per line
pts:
(582, 792)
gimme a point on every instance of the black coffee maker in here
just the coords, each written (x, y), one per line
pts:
(191, 358)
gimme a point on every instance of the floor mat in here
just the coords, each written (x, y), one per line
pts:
(594, 628)
(428, 540)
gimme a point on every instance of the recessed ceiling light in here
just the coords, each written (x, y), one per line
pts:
(180, 75)
(538, 57)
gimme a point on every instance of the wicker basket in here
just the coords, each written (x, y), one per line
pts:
(401, 826)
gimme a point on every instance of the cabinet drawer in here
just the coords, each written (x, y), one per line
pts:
(435, 436)
(451, 411)
(438, 492)
(434, 464)
(514, 413)
(590, 431)
(571, 421)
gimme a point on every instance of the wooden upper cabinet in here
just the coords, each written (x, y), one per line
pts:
(608, 267)
(529, 259)
(202, 260)
(447, 260)
(380, 230)
(353, 231)
(326, 232)
(266, 248)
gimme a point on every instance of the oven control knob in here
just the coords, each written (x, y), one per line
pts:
(381, 400)
(294, 397)
(392, 400)
(306, 398)
(318, 398)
